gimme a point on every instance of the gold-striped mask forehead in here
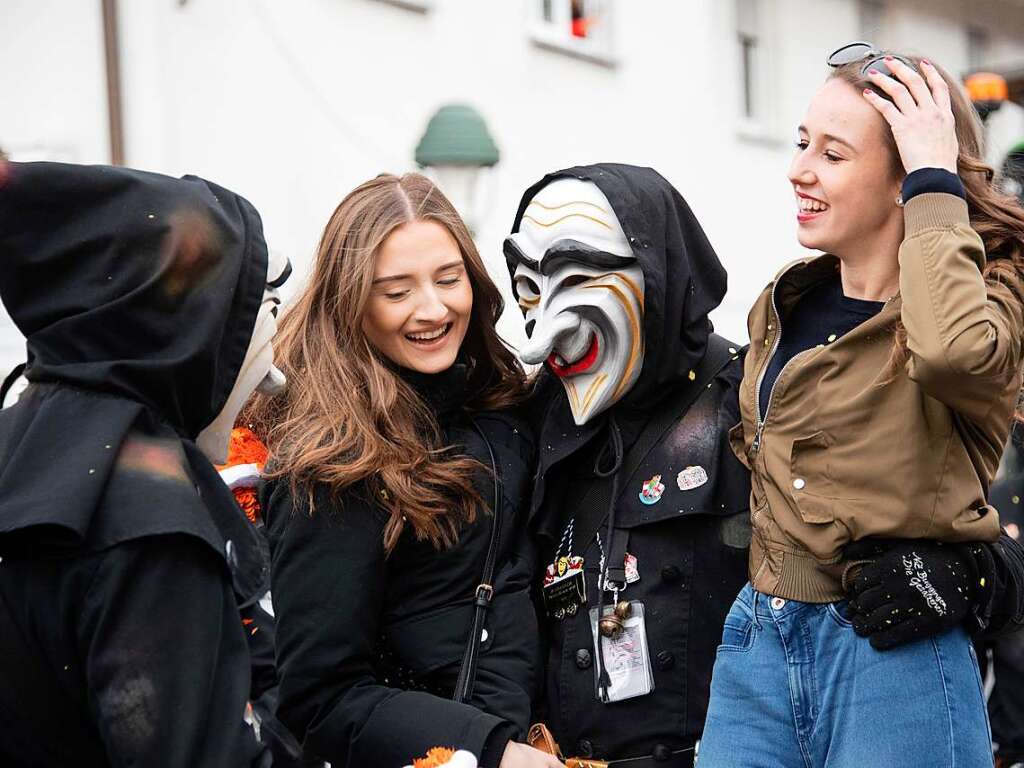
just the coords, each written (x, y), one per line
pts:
(570, 209)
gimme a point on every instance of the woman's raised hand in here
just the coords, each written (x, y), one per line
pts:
(523, 756)
(919, 114)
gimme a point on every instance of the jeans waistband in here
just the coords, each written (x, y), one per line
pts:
(764, 606)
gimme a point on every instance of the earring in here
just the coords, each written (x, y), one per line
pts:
(899, 200)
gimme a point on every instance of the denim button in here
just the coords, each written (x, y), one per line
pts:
(661, 753)
(584, 748)
(583, 658)
(666, 660)
(778, 603)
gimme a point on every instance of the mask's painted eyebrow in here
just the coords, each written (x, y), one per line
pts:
(829, 137)
(514, 254)
(562, 251)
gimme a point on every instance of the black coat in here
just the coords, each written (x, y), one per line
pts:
(123, 551)
(691, 550)
(1006, 702)
(691, 545)
(369, 646)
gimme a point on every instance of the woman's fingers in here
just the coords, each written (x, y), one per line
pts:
(885, 107)
(895, 89)
(912, 80)
(939, 88)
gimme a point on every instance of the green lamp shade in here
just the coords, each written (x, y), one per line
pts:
(456, 135)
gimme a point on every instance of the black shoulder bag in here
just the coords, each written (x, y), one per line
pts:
(484, 591)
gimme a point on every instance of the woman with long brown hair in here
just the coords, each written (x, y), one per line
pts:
(396, 494)
(878, 393)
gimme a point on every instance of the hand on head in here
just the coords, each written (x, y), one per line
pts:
(919, 114)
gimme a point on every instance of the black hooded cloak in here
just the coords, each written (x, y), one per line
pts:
(121, 547)
(691, 546)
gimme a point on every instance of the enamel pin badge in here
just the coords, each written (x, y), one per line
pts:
(651, 491)
(691, 477)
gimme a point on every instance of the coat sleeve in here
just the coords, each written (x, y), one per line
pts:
(328, 577)
(963, 333)
(165, 656)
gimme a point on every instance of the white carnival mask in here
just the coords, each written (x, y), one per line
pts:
(581, 289)
(258, 371)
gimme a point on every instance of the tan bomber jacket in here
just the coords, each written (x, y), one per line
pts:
(846, 451)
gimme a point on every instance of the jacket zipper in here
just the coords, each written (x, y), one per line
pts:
(759, 432)
(756, 446)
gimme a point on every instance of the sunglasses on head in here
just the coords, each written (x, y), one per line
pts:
(869, 54)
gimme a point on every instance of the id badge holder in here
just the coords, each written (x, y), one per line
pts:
(626, 656)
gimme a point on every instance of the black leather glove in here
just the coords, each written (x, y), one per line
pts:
(909, 589)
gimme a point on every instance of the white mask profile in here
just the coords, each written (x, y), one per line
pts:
(257, 372)
(581, 290)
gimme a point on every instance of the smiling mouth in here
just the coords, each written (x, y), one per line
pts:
(564, 369)
(429, 338)
(808, 207)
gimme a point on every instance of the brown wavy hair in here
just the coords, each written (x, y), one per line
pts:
(347, 420)
(998, 218)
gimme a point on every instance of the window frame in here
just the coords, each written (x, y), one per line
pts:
(556, 35)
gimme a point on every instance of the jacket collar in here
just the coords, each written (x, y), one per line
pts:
(798, 277)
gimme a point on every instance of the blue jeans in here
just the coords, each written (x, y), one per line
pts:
(793, 685)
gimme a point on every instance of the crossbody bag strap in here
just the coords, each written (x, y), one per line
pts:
(484, 591)
(591, 511)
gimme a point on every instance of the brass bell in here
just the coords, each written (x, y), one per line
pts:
(612, 624)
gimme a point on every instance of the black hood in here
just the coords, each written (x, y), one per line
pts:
(132, 284)
(683, 278)
(138, 295)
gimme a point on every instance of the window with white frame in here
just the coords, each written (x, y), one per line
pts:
(977, 47)
(581, 28)
(748, 35)
(758, 119)
(871, 20)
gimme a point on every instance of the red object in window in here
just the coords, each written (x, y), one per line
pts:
(579, 26)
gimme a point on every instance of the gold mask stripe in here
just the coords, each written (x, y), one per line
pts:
(573, 394)
(566, 205)
(529, 303)
(592, 391)
(527, 217)
(634, 342)
(633, 287)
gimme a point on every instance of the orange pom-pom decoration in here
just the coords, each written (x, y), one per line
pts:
(436, 756)
(246, 448)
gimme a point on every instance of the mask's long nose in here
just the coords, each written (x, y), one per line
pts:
(546, 336)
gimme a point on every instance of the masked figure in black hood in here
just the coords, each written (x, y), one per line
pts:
(639, 505)
(148, 314)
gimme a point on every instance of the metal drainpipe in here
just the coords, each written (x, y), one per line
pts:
(113, 58)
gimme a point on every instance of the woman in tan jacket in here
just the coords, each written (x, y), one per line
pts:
(878, 393)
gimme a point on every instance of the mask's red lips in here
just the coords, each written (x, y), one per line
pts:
(580, 366)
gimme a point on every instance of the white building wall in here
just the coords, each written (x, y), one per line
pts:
(293, 104)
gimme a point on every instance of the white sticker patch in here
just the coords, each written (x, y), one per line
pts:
(267, 604)
(691, 477)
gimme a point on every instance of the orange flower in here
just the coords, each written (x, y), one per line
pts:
(435, 756)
